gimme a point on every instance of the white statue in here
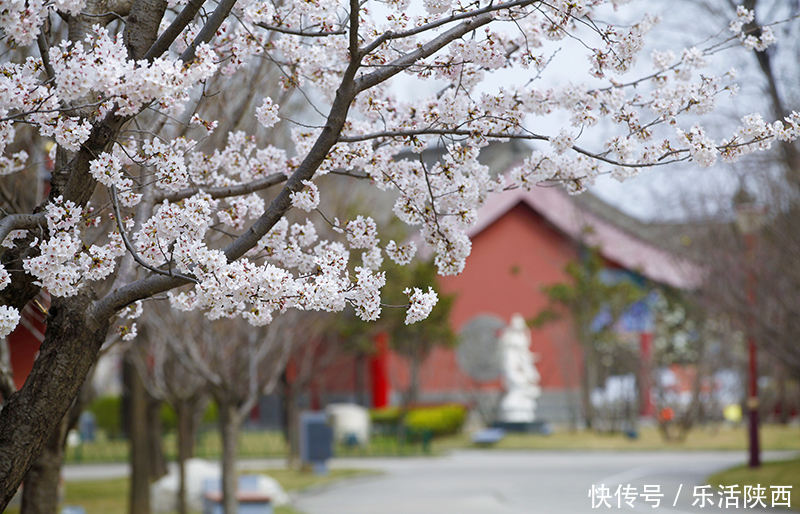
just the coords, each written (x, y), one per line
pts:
(520, 377)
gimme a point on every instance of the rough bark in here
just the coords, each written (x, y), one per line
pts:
(7, 386)
(40, 491)
(43, 481)
(69, 349)
(141, 26)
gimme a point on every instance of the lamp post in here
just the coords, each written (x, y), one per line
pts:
(749, 218)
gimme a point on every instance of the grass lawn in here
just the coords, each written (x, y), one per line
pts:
(773, 437)
(270, 444)
(252, 443)
(111, 496)
(769, 474)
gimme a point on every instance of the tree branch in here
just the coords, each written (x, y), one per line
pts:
(20, 222)
(401, 63)
(209, 29)
(132, 250)
(174, 30)
(223, 192)
(301, 32)
(154, 284)
(41, 42)
(355, 55)
(389, 35)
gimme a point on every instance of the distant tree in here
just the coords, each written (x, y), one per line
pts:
(238, 366)
(166, 377)
(593, 304)
(416, 341)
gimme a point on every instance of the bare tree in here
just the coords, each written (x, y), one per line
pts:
(167, 378)
(238, 366)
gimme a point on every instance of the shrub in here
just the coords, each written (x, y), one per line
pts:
(389, 416)
(169, 418)
(107, 411)
(211, 415)
(442, 420)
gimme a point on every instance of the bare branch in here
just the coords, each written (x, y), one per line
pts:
(21, 222)
(301, 32)
(224, 192)
(175, 28)
(209, 29)
(354, 15)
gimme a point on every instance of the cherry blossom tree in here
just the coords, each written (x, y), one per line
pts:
(135, 211)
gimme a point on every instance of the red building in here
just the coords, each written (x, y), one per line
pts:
(521, 243)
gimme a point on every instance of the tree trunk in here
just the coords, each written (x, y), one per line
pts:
(185, 410)
(40, 491)
(587, 383)
(360, 379)
(412, 394)
(158, 463)
(291, 424)
(139, 495)
(28, 418)
(229, 424)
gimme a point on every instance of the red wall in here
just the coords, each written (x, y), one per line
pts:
(511, 261)
(23, 348)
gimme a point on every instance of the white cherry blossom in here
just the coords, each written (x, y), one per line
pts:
(9, 319)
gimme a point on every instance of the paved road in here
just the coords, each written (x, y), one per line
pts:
(501, 482)
(498, 482)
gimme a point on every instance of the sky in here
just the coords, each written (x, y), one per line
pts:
(679, 192)
(670, 193)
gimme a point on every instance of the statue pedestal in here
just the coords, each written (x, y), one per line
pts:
(531, 427)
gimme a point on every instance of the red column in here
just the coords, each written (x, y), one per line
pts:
(646, 351)
(379, 368)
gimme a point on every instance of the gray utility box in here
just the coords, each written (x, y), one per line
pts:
(316, 438)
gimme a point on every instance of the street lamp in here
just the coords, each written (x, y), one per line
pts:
(749, 218)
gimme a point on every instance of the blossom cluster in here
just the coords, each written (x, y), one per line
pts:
(63, 263)
(97, 73)
(198, 192)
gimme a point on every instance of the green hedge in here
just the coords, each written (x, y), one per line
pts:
(387, 416)
(108, 415)
(438, 420)
(443, 420)
(169, 418)
(107, 411)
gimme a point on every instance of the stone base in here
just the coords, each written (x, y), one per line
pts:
(532, 427)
